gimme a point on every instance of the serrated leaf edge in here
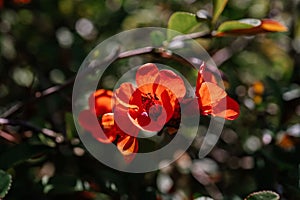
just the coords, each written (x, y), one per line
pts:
(260, 192)
(9, 185)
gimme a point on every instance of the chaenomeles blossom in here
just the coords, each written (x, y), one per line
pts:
(212, 99)
(105, 129)
(151, 104)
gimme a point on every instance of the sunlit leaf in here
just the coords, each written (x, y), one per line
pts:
(249, 27)
(182, 22)
(219, 6)
(5, 183)
(237, 26)
(263, 195)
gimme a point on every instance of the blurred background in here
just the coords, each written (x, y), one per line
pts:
(42, 45)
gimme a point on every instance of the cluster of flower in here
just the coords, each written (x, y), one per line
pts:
(149, 106)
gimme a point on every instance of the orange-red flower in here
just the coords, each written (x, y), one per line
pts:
(151, 104)
(100, 104)
(104, 129)
(212, 99)
(101, 101)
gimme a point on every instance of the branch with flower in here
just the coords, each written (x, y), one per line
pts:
(154, 102)
(151, 105)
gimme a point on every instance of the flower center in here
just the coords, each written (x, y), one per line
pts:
(150, 110)
(148, 100)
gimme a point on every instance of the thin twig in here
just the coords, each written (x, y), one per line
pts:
(54, 89)
(13, 138)
(114, 56)
(50, 133)
(203, 34)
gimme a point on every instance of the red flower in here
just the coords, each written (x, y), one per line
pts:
(212, 99)
(100, 122)
(99, 129)
(154, 103)
(151, 105)
(102, 102)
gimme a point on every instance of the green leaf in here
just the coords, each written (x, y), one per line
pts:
(238, 25)
(263, 195)
(182, 22)
(5, 183)
(21, 153)
(70, 126)
(157, 38)
(219, 6)
(249, 26)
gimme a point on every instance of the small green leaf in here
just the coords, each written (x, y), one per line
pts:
(238, 25)
(219, 6)
(249, 27)
(157, 38)
(5, 183)
(182, 22)
(263, 195)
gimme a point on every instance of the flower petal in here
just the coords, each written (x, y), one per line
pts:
(101, 101)
(205, 75)
(89, 122)
(227, 108)
(213, 99)
(146, 75)
(168, 103)
(127, 145)
(209, 94)
(127, 95)
(124, 121)
(107, 121)
(171, 81)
